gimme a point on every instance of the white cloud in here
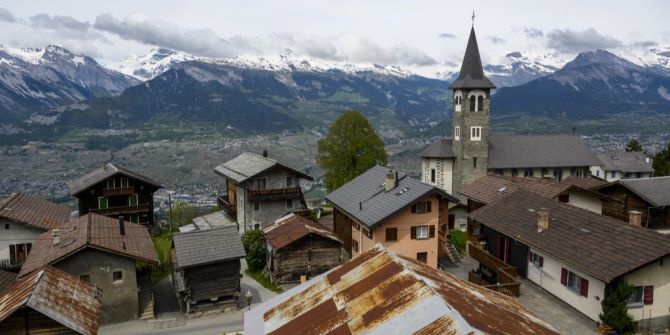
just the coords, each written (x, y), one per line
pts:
(570, 41)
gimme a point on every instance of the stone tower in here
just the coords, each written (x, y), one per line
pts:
(470, 125)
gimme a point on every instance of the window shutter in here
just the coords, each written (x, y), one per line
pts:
(500, 246)
(564, 277)
(648, 298)
(413, 233)
(12, 253)
(428, 204)
(413, 209)
(530, 256)
(541, 261)
(584, 287)
(431, 231)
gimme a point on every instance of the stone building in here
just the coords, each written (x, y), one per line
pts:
(260, 190)
(623, 165)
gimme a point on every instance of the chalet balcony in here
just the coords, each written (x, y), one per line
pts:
(506, 276)
(111, 192)
(113, 211)
(224, 204)
(274, 194)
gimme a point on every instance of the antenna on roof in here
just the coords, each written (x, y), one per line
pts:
(473, 18)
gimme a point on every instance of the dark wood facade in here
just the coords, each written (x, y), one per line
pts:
(219, 282)
(342, 228)
(29, 321)
(620, 201)
(120, 195)
(309, 256)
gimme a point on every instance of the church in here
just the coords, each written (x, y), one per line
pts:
(472, 152)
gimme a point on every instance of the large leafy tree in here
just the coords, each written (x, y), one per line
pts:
(615, 311)
(634, 145)
(662, 162)
(350, 148)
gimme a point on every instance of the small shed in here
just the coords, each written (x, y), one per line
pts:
(207, 266)
(298, 246)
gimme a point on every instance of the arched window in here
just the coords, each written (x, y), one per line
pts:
(432, 175)
(480, 103)
(472, 103)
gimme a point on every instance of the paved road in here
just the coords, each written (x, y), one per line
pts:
(170, 321)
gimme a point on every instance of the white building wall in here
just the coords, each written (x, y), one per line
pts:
(549, 278)
(537, 172)
(586, 201)
(658, 275)
(17, 233)
(444, 170)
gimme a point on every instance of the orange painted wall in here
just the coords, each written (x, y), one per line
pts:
(406, 246)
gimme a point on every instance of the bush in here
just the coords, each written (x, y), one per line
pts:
(255, 249)
(615, 312)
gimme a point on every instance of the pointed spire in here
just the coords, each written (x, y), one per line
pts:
(472, 72)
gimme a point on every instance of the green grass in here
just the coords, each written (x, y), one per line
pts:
(162, 244)
(458, 238)
(262, 279)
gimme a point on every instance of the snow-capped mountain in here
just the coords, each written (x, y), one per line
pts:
(514, 69)
(657, 58)
(154, 63)
(39, 79)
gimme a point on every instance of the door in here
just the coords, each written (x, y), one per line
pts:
(452, 221)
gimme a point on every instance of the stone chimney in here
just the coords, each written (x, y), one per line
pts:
(635, 218)
(122, 226)
(542, 219)
(55, 234)
(265, 153)
(391, 179)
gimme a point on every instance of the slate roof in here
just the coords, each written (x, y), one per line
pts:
(58, 295)
(654, 190)
(472, 72)
(7, 279)
(291, 228)
(247, 165)
(365, 199)
(91, 231)
(381, 292)
(585, 183)
(599, 245)
(633, 161)
(207, 246)
(33, 211)
(493, 187)
(539, 151)
(213, 220)
(102, 173)
(439, 149)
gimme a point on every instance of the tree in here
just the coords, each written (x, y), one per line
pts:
(615, 311)
(253, 246)
(350, 148)
(662, 162)
(634, 145)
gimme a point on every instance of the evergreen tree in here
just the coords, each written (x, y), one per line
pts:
(662, 162)
(634, 145)
(255, 250)
(615, 311)
(350, 148)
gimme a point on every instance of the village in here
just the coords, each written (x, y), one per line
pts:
(499, 234)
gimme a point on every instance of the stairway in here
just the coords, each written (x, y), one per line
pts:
(453, 254)
(146, 298)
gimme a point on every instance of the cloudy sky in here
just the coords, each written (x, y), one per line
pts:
(425, 36)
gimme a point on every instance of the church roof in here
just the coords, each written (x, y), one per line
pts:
(439, 149)
(472, 73)
(539, 151)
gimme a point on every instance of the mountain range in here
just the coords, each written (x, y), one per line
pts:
(258, 94)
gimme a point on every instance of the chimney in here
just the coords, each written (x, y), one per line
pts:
(635, 218)
(265, 153)
(542, 219)
(122, 226)
(55, 234)
(391, 178)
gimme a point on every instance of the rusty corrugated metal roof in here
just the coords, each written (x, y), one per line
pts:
(291, 227)
(63, 298)
(7, 279)
(91, 231)
(34, 211)
(380, 292)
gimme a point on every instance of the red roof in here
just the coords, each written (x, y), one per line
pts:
(290, 228)
(34, 211)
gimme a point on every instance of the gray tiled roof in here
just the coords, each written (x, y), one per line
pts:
(365, 199)
(439, 149)
(103, 173)
(207, 246)
(539, 151)
(656, 190)
(633, 161)
(247, 165)
(472, 73)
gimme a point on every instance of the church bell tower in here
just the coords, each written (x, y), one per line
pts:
(470, 121)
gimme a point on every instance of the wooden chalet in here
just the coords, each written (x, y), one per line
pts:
(206, 266)
(50, 301)
(114, 191)
(300, 247)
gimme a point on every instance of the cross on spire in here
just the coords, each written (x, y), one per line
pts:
(473, 18)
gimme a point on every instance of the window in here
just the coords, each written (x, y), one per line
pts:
(638, 175)
(19, 252)
(124, 182)
(354, 245)
(257, 206)
(86, 278)
(528, 172)
(110, 183)
(135, 218)
(544, 172)
(480, 103)
(391, 234)
(472, 103)
(421, 207)
(260, 184)
(574, 282)
(422, 257)
(536, 259)
(475, 133)
(257, 226)
(421, 232)
(432, 175)
(597, 173)
(474, 161)
(117, 276)
(564, 198)
(289, 203)
(6, 225)
(515, 173)
(457, 133)
(102, 203)
(289, 182)
(132, 200)
(635, 298)
(558, 173)
(368, 233)
(613, 174)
